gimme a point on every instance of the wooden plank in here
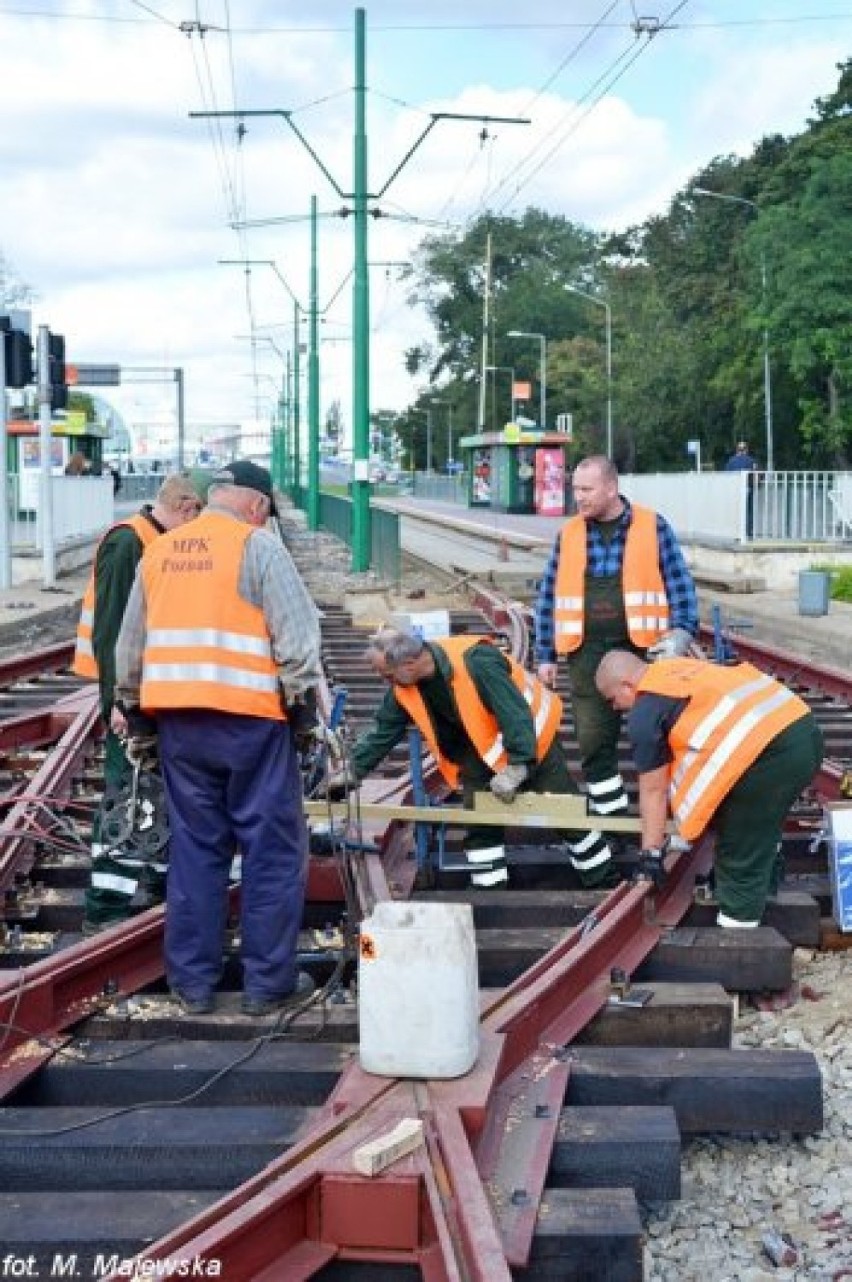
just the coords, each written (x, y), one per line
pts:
(709, 1089)
(740, 960)
(94, 1226)
(634, 1146)
(303, 1073)
(167, 1148)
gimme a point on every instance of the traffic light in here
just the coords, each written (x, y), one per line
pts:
(56, 366)
(19, 358)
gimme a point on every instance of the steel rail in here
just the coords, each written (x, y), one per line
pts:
(70, 725)
(29, 664)
(310, 1207)
(442, 1209)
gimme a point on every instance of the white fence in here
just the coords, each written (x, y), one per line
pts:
(82, 509)
(750, 507)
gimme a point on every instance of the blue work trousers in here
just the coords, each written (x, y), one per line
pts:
(232, 783)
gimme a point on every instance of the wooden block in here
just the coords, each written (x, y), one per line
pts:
(634, 1147)
(376, 1155)
(709, 1089)
(744, 961)
(793, 914)
(586, 1235)
(676, 1015)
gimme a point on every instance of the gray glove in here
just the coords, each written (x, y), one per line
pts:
(506, 782)
(676, 644)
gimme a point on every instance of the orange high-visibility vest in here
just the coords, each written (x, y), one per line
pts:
(731, 716)
(480, 723)
(646, 606)
(205, 645)
(85, 664)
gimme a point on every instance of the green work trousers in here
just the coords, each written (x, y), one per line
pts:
(114, 882)
(551, 774)
(749, 821)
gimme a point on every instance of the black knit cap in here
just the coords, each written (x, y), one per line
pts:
(250, 476)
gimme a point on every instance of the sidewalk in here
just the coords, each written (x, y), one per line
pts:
(28, 601)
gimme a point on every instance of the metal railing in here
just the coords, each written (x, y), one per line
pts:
(750, 507)
(335, 516)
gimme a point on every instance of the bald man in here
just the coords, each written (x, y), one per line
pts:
(726, 747)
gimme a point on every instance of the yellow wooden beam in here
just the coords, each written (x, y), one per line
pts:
(528, 810)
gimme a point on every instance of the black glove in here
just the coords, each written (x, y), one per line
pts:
(302, 715)
(141, 741)
(651, 865)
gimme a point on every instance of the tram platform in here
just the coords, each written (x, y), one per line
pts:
(519, 546)
(510, 551)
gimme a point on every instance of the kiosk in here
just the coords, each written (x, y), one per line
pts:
(517, 470)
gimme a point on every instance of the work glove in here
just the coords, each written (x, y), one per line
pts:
(651, 866)
(141, 741)
(302, 715)
(328, 739)
(339, 783)
(506, 782)
(676, 644)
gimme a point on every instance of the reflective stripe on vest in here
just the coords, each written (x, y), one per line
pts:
(85, 664)
(480, 724)
(205, 645)
(646, 606)
(733, 713)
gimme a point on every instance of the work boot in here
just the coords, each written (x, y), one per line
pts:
(260, 1006)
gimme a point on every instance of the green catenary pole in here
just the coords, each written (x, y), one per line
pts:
(297, 407)
(313, 381)
(361, 534)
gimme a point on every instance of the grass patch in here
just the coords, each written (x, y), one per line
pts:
(841, 581)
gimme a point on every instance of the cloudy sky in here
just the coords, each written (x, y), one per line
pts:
(117, 204)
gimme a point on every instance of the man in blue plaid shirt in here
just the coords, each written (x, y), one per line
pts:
(615, 579)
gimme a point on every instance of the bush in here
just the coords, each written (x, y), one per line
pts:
(841, 581)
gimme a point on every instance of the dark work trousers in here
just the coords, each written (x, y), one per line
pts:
(596, 722)
(232, 782)
(748, 823)
(589, 852)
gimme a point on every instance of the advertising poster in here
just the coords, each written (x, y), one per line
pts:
(481, 476)
(549, 482)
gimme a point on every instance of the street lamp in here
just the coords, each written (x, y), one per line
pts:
(767, 375)
(542, 403)
(593, 298)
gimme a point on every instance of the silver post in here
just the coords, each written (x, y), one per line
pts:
(48, 551)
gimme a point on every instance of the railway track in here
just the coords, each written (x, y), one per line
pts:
(223, 1144)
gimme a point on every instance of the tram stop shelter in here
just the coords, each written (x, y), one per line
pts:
(517, 470)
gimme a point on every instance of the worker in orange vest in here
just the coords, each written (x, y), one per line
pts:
(487, 723)
(219, 657)
(722, 747)
(115, 877)
(616, 578)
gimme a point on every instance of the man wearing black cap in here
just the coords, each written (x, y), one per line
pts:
(219, 655)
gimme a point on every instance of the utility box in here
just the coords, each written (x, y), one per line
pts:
(431, 625)
(814, 592)
(840, 862)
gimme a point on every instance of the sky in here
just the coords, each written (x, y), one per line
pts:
(131, 212)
